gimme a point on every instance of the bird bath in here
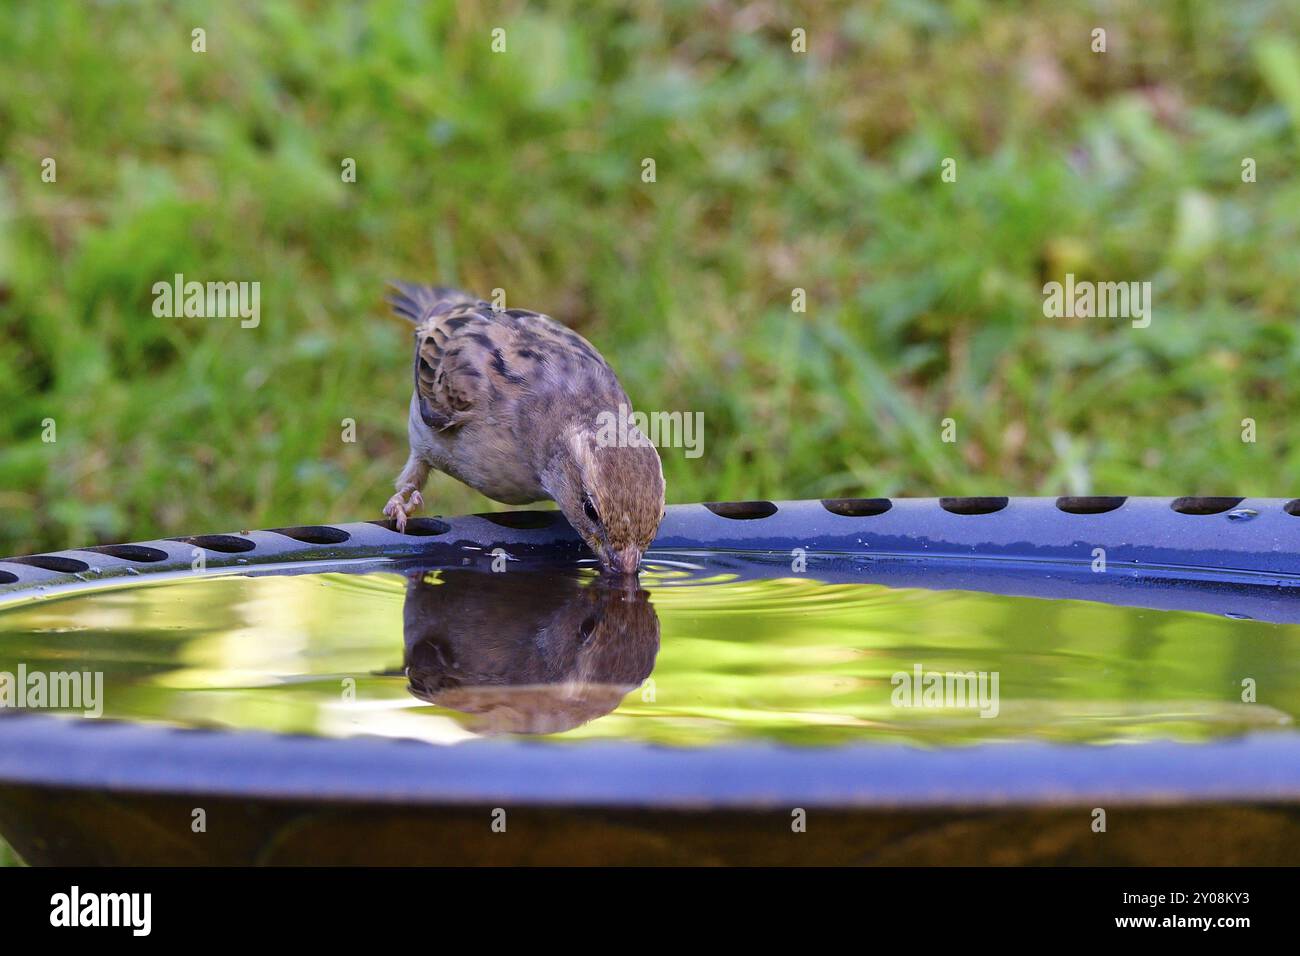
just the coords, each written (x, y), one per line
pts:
(860, 680)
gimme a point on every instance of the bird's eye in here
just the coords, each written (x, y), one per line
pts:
(589, 509)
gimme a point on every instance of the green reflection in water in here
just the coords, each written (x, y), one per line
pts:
(794, 661)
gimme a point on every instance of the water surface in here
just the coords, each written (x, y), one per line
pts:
(694, 657)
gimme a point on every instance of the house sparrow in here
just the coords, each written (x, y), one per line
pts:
(519, 407)
(525, 652)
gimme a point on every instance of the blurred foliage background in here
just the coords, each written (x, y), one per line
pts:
(521, 170)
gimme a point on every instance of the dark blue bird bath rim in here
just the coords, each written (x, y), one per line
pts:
(1224, 555)
(372, 799)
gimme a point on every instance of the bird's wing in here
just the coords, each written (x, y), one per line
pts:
(459, 365)
(469, 356)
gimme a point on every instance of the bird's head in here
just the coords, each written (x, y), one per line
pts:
(612, 492)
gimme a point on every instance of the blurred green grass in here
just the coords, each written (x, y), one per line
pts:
(522, 171)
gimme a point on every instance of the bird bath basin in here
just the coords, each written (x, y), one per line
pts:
(908, 681)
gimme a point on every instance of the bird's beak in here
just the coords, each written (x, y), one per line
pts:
(626, 561)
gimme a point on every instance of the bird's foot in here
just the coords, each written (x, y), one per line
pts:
(401, 505)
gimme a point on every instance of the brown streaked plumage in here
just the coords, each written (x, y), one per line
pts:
(511, 403)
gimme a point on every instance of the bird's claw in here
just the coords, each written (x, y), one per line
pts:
(400, 506)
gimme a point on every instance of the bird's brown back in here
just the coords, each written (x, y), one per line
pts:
(471, 360)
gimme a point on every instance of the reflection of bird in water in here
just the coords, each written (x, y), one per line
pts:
(526, 652)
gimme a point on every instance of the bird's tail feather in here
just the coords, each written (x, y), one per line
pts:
(414, 302)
